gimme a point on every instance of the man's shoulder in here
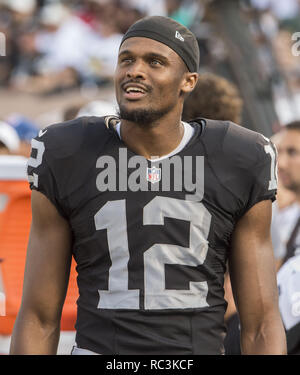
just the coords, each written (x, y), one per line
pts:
(66, 138)
(233, 142)
(243, 161)
(245, 140)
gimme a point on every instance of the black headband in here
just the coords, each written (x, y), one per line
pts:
(167, 31)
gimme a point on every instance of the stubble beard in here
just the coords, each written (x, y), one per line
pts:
(144, 117)
(294, 188)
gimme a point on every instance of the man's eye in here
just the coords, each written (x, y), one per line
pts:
(293, 152)
(126, 60)
(155, 62)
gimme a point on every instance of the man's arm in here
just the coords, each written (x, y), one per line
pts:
(253, 278)
(37, 327)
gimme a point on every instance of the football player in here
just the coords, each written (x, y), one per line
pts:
(151, 208)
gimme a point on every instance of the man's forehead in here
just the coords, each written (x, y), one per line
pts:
(147, 45)
(289, 138)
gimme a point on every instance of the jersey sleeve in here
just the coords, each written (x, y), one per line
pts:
(263, 173)
(39, 172)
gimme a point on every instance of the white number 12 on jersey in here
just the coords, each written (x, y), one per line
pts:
(273, 181)
(112, 216)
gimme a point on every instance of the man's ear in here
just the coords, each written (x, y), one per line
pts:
(189, 82)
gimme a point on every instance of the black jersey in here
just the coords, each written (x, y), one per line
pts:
(151, 238)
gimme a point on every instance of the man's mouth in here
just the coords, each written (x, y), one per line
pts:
(134, 92)
(284, 177)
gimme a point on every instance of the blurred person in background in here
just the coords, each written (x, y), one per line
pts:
(274, 22)
(284, 212)
(54, 49)
(94, 108)
(286, 233)
(69, 46)
(71, 111)
(53, 46)
(26, 130)
(9, 140)
(214, 97)
(285, 197)
(183, 11)
(288, 279)
(286, 219)
(16, 17)
(21, 13)
(285, 11)
(98, 108)
(148, 7)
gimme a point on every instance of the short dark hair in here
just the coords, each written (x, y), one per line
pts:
(294, 125)
(214, 97)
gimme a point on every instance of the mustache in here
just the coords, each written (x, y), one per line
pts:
(135, 81)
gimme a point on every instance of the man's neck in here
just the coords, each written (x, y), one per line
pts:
(156, 139)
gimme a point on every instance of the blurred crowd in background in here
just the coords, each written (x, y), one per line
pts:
(61, 55)
(54, 47)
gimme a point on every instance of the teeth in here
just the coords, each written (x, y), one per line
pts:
(134, 89)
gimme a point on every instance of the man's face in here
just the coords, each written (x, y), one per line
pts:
(149, 80)
(289, 159)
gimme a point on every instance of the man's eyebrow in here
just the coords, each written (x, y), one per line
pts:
(147, 55)
(157, 56)
(292, 148)
(125, 52)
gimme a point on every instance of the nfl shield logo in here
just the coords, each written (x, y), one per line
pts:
(153, 175)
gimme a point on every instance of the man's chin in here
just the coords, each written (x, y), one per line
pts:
(138, 115)
(292, 187)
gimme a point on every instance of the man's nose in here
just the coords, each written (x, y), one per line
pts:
(136, 70)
